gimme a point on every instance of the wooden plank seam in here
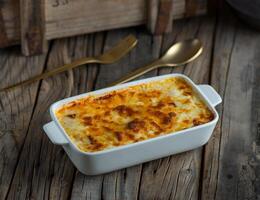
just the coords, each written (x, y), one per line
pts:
(160, 16)
(29, 23)
(3, 36)
(32, 27)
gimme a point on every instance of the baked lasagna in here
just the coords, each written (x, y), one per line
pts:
(132, 114)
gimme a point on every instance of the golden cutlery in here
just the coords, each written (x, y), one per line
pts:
(110, 56)
(179, 54)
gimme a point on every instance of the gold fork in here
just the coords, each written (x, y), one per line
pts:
(110, 56)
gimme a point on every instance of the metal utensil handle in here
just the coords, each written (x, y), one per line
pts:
(136, 73)
(118, 51)
(53, 72)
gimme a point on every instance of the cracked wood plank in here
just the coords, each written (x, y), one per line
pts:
(16, 108)
(232, 161)
(44, 170)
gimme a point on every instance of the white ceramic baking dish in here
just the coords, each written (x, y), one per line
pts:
(143, 151)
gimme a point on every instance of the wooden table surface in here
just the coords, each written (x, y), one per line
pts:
(228, 167)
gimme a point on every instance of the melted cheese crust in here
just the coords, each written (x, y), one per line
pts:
(133, 114)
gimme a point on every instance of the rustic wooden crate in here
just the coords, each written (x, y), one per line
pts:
(32, 22)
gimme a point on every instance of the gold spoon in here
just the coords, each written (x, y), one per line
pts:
(179, 54)
(110, 56)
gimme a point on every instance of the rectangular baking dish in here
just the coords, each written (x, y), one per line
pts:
(94, 163)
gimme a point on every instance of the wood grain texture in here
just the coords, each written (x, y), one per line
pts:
(160, 16)
(240, 164)
(68, 18)
(224, 41)
(196, 7)
(44, 170)
(32, 16)
(164, 18)
(232, 165)
(9, 22)
(3, 35)
(16, 108)
(58, 24)
(152, 14)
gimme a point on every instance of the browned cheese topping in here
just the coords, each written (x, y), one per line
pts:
(133, 114)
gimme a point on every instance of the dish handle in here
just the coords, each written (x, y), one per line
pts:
(213, 97)
(54, 134)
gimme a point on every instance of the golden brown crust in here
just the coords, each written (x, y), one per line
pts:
(134, 114)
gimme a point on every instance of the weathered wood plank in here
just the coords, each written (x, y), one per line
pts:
(3, 35)
(16, 108)
(32, 16)
(87, 15)
(232, 157)
(164, 18)
(122, 184)
(68, 18)
(10, 23)
(177, 177)
(159, 16)
(223, 47)
(152, 13)
(43, 170)
(196, 7)
(240, 166)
